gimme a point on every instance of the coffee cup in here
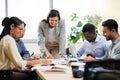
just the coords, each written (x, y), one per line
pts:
(75, 70)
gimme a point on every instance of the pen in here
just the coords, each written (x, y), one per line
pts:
(32, 54)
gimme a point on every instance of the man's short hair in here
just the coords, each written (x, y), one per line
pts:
(88, 28)
(110, 24)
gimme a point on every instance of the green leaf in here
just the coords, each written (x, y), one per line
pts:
(79, 24)
(74, 17)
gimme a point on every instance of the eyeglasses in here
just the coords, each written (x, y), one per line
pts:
(21, 29)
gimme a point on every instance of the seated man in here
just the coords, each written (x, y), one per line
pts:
(110, 31)
(94, 45)
(21, 47)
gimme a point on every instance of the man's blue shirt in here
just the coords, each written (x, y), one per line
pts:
(22, 49)
(96, 48)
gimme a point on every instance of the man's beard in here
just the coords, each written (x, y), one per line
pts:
(110, 37)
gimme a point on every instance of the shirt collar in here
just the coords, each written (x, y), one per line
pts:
(117, 40)
(97, 38)
(17, 40)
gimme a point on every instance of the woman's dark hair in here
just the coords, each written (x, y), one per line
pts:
(7, 22)
(52, 13)
(110, 24)
(88, 28)
(4, 21)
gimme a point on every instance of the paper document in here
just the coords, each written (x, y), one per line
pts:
(59, 61)
(55, 67)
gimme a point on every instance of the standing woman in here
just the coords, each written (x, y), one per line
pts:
(9, 55)
(51, 35)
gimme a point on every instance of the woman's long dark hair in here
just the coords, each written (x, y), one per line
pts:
(52, 13)
(13, 20)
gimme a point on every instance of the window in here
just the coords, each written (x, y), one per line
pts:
(67, 8)
(30, 11)
(2, 12)
(105, 8)
(33, 11)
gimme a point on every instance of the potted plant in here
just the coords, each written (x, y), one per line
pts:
(76, 31)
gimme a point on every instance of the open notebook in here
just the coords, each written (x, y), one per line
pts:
(57, 65)
(51, 68)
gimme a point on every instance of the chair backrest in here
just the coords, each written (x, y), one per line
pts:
(71, 51)
(102, 70)
(6, 74)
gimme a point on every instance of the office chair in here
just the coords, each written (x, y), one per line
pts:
(102, 70)
(6, 74)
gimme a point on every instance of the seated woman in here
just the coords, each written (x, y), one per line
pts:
(9, 54)
(20, 45)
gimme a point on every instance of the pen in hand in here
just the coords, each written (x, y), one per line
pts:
(32, 54)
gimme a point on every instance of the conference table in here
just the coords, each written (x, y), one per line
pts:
(58, 75)
(54, 75)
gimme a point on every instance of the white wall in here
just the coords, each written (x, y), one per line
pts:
(108, 9)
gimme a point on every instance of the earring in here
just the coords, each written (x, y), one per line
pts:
(11, 31)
